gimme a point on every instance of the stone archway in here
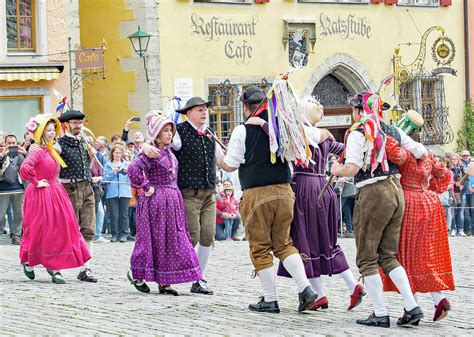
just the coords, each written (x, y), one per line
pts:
(353, 75)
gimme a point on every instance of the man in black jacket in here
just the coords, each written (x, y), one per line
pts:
(266, 205)
(76, 179)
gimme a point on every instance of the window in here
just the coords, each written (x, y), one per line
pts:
(226, 111)
(432, 3)
(425, 94)
(20, 25)
(15, 112)
(222, 119)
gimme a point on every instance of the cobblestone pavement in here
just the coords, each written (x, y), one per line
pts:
(113, 306)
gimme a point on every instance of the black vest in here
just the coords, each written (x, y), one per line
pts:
(196, 158)
(258, 170)
(76, 158)
(391, 131)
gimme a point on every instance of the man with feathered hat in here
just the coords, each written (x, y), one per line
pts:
(77, 179)
(267, 202)
(379, 205)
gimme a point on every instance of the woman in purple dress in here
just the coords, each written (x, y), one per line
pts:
(163, 251)
(314, 227)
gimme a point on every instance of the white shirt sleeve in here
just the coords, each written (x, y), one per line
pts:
(176, 144)
(313, 134)
(416, 149)
(236, 151)
(355, 149)
(218, 150)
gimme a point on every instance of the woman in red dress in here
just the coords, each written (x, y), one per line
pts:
(51, 235)
(424, 248)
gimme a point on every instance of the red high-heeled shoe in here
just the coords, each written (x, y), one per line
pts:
(441, 310)
(322, 303)
(356, 297)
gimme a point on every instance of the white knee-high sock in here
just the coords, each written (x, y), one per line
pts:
(437, 296)
(294, 266)
(267, 279)
(374, 288)
(29, 268)
(348, 277)
(89, 246)
(415, 296)
(317, 285)
(400, 279)
(203, 254)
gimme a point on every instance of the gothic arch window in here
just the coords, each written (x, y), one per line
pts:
(331, 92)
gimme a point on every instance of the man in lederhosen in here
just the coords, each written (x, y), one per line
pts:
(196, 152)
(76, 179)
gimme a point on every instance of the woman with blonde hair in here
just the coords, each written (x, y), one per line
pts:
(119, 192)
(51, 235)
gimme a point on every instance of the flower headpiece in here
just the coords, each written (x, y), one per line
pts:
(32, 125)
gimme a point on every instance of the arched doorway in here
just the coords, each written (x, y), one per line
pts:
(333, 83)
(334, 96)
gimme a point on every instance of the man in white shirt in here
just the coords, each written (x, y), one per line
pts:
(377, 218)
(266, 206)
(196, 152)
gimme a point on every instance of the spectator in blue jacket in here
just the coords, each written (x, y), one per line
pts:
(119, 192)
(467, 197)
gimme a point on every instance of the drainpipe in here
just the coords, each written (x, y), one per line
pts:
(466, 49)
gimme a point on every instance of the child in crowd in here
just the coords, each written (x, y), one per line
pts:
(228, 206)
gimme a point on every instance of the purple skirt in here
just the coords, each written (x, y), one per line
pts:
(314, 228)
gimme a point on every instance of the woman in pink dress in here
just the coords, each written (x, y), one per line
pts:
(51, 234)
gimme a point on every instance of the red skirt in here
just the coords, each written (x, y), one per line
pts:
(424, 247)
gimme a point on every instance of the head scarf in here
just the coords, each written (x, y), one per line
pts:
(36, 125)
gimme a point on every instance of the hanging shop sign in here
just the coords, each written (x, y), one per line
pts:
(444, 70)
(89, 58)
(443, 51)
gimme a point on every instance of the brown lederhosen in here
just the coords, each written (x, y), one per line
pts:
(83, 202)
(200, 207)
(378, 215)
(267, 212)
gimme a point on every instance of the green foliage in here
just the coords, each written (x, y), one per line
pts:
(466, 133)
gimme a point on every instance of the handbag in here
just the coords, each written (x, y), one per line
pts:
(457, 198)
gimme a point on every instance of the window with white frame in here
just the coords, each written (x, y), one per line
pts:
(429, 3)
(20, 24)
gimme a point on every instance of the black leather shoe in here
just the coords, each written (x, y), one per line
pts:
(200, 287)
(167, 290)
(15, 240)
(141, 287)
(262, 306)
(57, 278)
(307, 299)
(29, 274)
(411, 316)
(86, 276)
(372, 320)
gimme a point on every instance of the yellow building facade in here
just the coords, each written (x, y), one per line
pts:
(215, 49)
